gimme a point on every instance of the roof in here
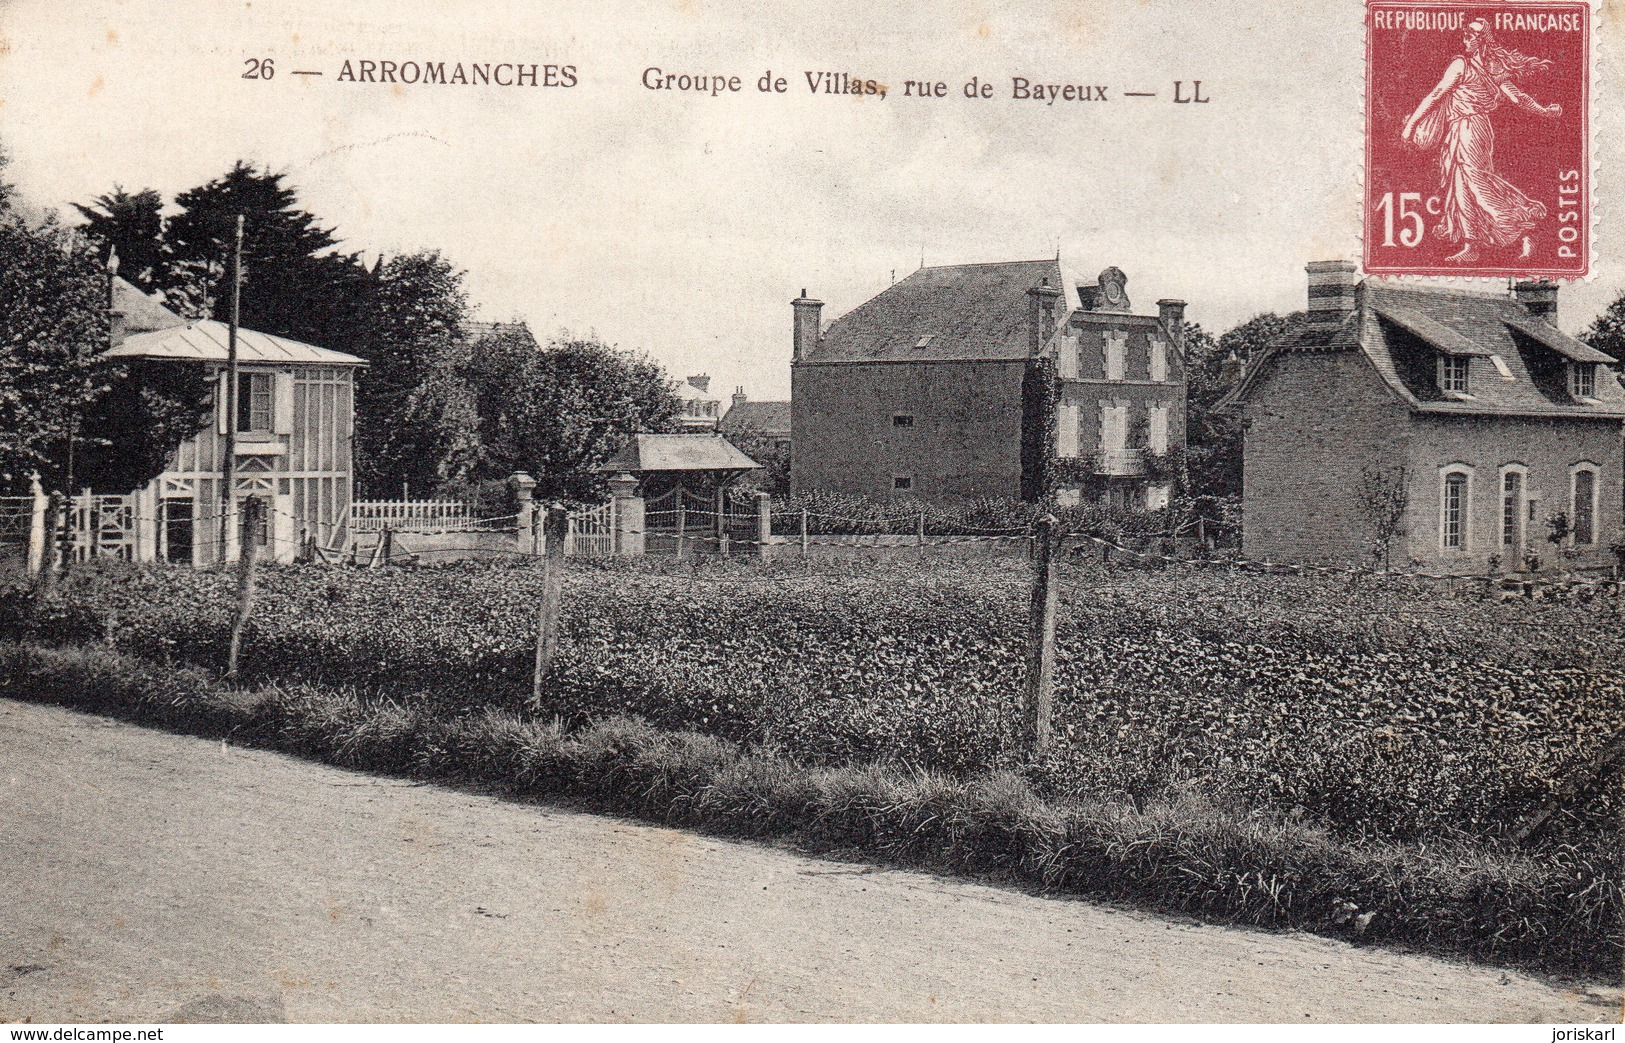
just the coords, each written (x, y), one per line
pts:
(477, 331)
(206, 339)
(692, 452)
(142, 313)
(757, 416)
(1402, 329)
(687, 392)
(949, 313)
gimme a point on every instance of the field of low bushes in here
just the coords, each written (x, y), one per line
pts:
(1367, 713)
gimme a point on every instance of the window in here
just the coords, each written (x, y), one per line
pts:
(254, 402)
(1583, 516)
(902, 483)
(1582, 379)
(1453, 373)
(902, 420)
(1159, 360)
(1453, 520)
(1512, 512)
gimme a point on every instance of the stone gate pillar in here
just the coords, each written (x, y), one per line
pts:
(628, 513)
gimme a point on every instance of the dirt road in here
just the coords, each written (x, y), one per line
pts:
(150, 877)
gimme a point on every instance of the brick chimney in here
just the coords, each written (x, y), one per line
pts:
(739, 395)
(1040, 315)
(1332, 291)
(806, 325)
(1172, 314)
(701, 382)
(1539, 296)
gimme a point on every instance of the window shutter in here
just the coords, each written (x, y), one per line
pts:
(222, 399)
(1158, 436)
(1066, 358)
(282, 404)
(1115, 345)
(1159, 359)
(1066, 430)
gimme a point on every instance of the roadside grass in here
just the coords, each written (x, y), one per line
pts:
(1558, 911)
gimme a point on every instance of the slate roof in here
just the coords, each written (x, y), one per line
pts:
(690, 452)
(953, 312)
(757, 416)
(206, 340)
(1402, 329)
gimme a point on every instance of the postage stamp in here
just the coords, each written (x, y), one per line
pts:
(1477, 136)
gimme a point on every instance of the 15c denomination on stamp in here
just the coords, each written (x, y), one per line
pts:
(1477, 137)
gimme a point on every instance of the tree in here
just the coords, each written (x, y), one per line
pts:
(561, 412)
(1214, 440)
(410, 331)
(1607, 331)
(129, 433)
(132, 226)
(295, 281)
(53, 329)
(772, 452)
(1384, 496)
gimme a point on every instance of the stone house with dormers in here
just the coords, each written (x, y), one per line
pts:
(934, 389)
(1494, 429)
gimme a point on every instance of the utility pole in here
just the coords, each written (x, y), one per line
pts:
(228, 469)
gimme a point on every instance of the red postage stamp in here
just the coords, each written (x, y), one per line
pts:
(1477, 138)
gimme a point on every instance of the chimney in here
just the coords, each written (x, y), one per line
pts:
(1230, 370)
(700, 382)
(806, 325)
(1332, 286)
(1539, 296)
(1040, 316)
(1172, 314)
(739, 395)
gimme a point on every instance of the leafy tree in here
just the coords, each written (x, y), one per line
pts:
(1607, 331)
(772, 453)
(561, 412)
(410, 331)
(129, 433)
(53, 329)
(295, 281)
(1214, 440)
(131, 226)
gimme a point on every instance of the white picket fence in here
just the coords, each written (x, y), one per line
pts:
(419, 516)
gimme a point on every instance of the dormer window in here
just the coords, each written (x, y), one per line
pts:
(1583, 379)
(1453, 373)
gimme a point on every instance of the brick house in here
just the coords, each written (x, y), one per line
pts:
(990, 380)
(1470, 412)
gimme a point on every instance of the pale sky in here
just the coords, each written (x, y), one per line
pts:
(683, 225)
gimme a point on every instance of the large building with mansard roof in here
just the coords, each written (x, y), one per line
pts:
(935, 389)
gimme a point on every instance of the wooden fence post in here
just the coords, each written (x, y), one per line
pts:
(1040, 686)
(555, 520)
(52, 550)
(804, 532)
(919, 529)
(248, 547)
(682, 522)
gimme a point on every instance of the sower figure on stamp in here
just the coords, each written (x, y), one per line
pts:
(1480, 207)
